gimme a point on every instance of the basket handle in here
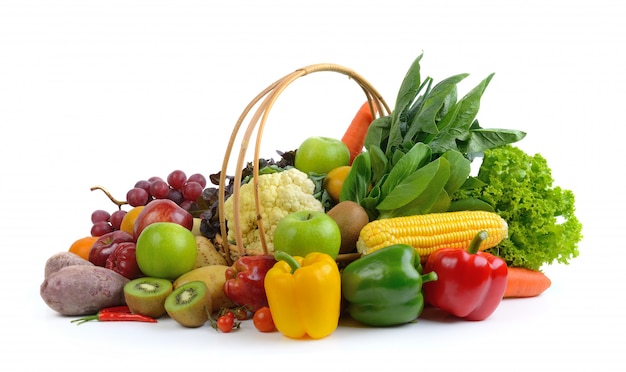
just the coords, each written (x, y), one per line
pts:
(271, 94)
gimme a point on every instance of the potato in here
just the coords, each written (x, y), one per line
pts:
(207, 253)
(83, 289)
(214, 276)
(62, 259)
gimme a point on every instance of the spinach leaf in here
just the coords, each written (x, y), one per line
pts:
(378, 162)
(409, 88)
(456, 125)
(425, 120)
(417, 157)
(378, 133)
(460, 168)
(420, 155)
(357, 183)
(485, 139)
(418, 192)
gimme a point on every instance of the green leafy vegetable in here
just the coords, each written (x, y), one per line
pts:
(543, 227)
(401, 172)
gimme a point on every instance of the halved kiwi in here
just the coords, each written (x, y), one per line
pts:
(147, 295)
(189, 304)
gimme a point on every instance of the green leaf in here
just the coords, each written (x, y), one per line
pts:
(472, 183)
(409, 87)
(418, 156)
(419, 193)
(357, 182)
(370, 202)
(425, 121)
(470, 204)
(378, 162)
(441, 204)
(456, 125)
(378, 133)
(460, 168)
(485, 139)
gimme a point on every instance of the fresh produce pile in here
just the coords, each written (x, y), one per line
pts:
(373, 226)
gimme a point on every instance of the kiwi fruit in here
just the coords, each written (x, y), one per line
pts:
(147, 295)
(189, 304)
(350, 217)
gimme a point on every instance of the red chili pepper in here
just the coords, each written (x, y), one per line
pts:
(116, 309)
(115, 313)
(470, 284)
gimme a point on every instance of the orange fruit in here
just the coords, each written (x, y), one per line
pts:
(82, 246)
(128, 222)
(333, 182)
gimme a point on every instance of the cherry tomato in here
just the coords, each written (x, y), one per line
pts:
(263, 321)
(226, 322)
(241, 313)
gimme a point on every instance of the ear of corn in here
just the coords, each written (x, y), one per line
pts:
(429, 232)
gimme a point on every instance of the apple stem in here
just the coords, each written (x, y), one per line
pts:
(108, 194)
(284, 256)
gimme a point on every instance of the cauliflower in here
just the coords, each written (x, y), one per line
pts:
(280, 194)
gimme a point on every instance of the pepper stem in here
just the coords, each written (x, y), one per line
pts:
(477, 241)
(430, 277)
(284, 256)
(86, 319)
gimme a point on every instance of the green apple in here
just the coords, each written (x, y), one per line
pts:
(300, 233)
(166, 250)
(321, 155)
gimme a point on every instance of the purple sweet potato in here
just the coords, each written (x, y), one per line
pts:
(83, 289)
(62, 259)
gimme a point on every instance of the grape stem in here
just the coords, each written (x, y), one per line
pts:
(108, 194)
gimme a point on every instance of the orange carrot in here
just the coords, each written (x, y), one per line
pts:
(354, 137)
(523, 282)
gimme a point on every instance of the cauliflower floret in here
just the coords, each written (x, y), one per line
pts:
(280, 194)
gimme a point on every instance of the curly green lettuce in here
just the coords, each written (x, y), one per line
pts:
(543, 227)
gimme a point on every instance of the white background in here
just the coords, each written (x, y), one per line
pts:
(110, 92)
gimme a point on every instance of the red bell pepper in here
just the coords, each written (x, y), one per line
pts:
(245, 279)
(470, 284)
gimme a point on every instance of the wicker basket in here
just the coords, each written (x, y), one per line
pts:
(264, 102)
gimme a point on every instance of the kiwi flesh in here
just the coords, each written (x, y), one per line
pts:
(189, 304)
(351, 217)
(147, 295)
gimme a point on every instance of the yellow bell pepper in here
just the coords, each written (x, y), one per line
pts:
(304, 294)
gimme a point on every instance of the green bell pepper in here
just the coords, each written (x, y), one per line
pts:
(384, 288)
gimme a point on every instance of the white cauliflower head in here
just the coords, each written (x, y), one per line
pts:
(280, 194)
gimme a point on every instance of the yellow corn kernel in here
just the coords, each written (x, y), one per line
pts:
(429, 232)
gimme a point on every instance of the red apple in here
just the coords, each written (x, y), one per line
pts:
(162, 210)
(106, 244)
(123, 260)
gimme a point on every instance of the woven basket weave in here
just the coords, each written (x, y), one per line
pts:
(264, 102)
